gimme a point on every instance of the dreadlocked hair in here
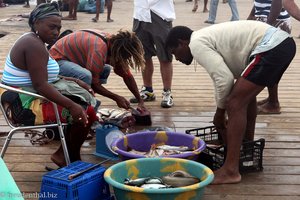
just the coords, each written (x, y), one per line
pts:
(127, 51)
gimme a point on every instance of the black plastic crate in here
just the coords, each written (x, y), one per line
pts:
(251, 154)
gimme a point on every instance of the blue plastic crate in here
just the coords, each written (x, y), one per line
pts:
(88, 186)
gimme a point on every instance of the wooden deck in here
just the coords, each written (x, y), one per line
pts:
(194, 107)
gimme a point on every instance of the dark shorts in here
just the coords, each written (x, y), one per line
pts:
(153, 36)
(267, 68)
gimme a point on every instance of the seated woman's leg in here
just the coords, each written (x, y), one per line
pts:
(70, 69)
(78, 133)
(75, 136)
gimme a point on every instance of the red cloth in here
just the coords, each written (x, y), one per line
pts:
(49, 114)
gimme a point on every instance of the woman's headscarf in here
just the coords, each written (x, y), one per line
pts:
(42, 11)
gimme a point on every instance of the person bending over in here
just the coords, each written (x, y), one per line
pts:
(242, 58)
(90, 54)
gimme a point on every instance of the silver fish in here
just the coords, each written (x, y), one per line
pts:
(173, 148)
(154, 181)
(180, 179)
(153, 186)
(135, 182)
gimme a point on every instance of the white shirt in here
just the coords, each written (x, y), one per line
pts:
(163, 8)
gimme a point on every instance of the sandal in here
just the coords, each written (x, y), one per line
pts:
(37, 137)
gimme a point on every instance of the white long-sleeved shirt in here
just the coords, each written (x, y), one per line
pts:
(224, 50)
(163, 8)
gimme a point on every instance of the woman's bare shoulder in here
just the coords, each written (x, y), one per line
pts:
(27, 40)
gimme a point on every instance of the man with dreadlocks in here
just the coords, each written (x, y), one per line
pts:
(30, 67)
(84, 54)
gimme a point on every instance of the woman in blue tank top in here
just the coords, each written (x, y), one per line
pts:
(29, 64)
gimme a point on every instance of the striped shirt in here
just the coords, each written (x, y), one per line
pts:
(263, 7)
(83, 48)
(15, 76)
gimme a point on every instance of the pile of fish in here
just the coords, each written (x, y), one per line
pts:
(176, 179)
(162, 150)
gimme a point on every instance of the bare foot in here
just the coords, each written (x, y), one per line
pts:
(225, 177)
(205, 10)
(69, 18)
(95, 19)
(268, 108)
(195, 8)
(109, 20)
(261, 102)
(60, 163)
(26, 6)
(58, 159)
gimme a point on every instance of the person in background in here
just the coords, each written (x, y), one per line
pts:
(271, 12)
(151, 23)
(213, 7)
(30, 67)
(72, 10)
(27, 5)
(109, 5)
(90, 54)
(292, 8)
(38, 2)
(258, 56)
(2, 4)
(195, 8)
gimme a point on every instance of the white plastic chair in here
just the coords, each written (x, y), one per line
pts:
(18, 127)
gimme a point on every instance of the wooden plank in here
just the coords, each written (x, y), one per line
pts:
(281, 161)
(254, 189)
